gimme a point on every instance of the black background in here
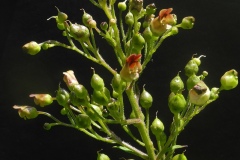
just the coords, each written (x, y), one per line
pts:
(211, 135)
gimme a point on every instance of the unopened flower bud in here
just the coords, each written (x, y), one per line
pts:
(214, 93)
(122, 6)
(88, 20)
(26, 112)
(31, 48)
(104, 26)
(229, 80)
(199, 94)
(102, 156)
(70, 79)
(135, 6)
(188, 22)
(129, 20)
(147, 34)
(42, 99)
(97, 83)
(138, 41)
(80, 91)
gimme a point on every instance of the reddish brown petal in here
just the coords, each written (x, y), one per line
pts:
(164, 12)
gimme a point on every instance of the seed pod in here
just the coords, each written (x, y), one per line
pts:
(188, 22)
(191, 68)
(122, 6)
(199, 94)
(83, 121)
(176, 84)
(116, 82)
(101, 97)
(157, 127)
(88, 20)
(146, 99)
(129, 20)
(94, 112)
(61, 17)
(97, 82)
(26, 112)
(192, 81)
(104, 26)
(102, 156)
(138, 41)
(77, 101)
(62, 96)
(176, 103)
(60, 26)
(229, 80)
(31, 48)
(147, 34)
(79, 32)
(179, 157)
(80, 91)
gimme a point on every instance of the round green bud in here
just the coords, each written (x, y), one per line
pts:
(86, 18)
(214, 93)
(138, 41)
(157, 127)
(191, 68)
(45, 46)
(192, 81)
(31, 48)
(122, 6)
(102, 156)
(176, 103)
(188, 22)
(146, 99)
(47, 126)
(83, 121)
(97, 82)
(63, 111)
(62, 96)
(179, 157)
(176, 84)
(60, 26)
(129, 20)
(117, 82)
(104, 26)
(229, 80)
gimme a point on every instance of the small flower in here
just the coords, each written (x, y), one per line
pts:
(26, 112)
(199, 94)
(132, 68)
(163, 22)
(70, 79)
(42, 99)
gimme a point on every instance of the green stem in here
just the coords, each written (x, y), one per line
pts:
(141, 126)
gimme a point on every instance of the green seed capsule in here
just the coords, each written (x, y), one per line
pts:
(192, 81)
(157, 127)
(94, 112)
(79, 32)
(191, 68)
(104, 26)
(179, 157)
(83, 121)
(60, 26)
(80, 91)
(146, 99)
(147, 34)
(116, 83)
(101, 97)
(176, 103)
(176, 84)
(97, 82)
(62, 96)
(102, 156)
(63, 111)
(77, 101)
(129, 20)
(61, 17)
(138, 41)
(229, 80)
(47, 126)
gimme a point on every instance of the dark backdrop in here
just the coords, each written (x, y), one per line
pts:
(212, 135)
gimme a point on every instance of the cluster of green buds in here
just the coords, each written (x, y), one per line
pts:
(94, 109)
